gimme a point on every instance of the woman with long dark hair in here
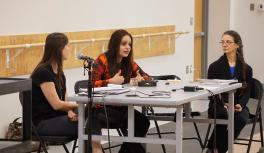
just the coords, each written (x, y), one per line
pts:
(230, 66)
(52, 113)
(117, 66)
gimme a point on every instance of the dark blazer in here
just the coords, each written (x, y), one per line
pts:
(220, 70)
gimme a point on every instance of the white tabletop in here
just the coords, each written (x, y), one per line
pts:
(178, 97)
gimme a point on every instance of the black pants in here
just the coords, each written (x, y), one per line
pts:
(240, 120)
(117, 118)
(58, 126)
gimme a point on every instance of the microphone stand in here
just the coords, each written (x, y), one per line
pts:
(87, 65)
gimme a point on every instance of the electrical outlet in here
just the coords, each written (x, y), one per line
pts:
(187, 69)
(190, 69)
(191, 21)
(251, 6)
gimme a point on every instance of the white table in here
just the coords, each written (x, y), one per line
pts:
(178, 100)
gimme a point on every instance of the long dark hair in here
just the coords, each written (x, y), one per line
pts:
(239, 53)
(55, 43)
(113, 51)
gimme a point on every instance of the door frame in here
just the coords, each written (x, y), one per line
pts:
(204, 53)
(201, 62)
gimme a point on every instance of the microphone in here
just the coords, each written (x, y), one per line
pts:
(83, 57)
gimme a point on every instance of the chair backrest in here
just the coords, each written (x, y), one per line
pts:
(166, 77)
(80, 84)
(34, 129)
(55, 139)
(256, 89)
(20, 96)
(256, 93)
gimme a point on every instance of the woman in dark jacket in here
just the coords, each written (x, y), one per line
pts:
(230, 66)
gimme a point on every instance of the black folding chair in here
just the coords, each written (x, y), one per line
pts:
(84, 84)
(58, 140)
(256, 96)
(169, 116)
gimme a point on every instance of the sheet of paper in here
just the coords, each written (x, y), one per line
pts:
(99, 89)
(110, 90)
(208, 87)
(215, 81)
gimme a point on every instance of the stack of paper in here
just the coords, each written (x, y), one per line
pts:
(110, 89)
(215, 81)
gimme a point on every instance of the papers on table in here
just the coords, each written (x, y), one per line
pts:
(211, 84)
(215, 81)
(110, 89)
(208, 87)
(153, 94)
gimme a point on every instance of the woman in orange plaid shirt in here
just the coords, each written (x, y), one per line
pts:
(116, 66)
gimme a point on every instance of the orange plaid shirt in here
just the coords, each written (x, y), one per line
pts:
(102, 74)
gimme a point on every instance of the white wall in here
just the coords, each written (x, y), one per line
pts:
(219, 12)
(249, 24)
(32, 16)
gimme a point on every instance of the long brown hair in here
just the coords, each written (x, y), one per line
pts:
(113, 51)
(239, 53)
(55, 43)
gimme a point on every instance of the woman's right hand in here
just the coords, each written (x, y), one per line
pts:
(226, 105)
(72, 116)
(237, 107)
(117, 79)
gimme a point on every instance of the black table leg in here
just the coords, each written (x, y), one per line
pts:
(27, 115)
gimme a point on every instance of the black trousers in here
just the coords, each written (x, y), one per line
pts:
(58, 126)
(117, 118)
(240, 120)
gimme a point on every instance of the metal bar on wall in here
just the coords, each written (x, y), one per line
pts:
(93, 40)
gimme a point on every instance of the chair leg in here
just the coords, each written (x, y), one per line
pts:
(198, 135)
(158, 130)
(261, 128)
(119, 132)
(74, 146)
(41, 141)
(251, 135)
(65, 148)
(39, 148)
(102, 149)
(43, 146)
(207, 136)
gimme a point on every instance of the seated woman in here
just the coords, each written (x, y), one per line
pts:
(52, 114)
(230, 66)
(116, 66)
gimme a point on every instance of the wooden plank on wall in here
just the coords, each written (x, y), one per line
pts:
(23, 61)
(198, 40)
